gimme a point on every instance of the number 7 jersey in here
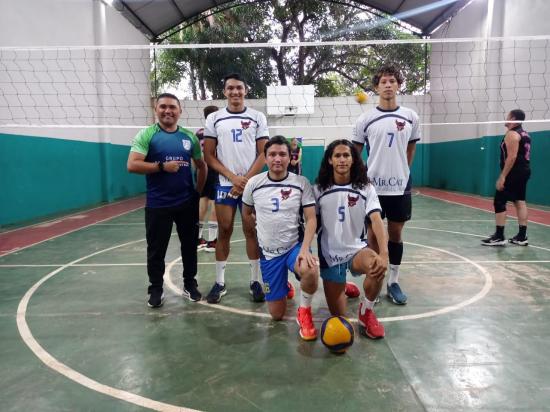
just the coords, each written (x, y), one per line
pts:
(386, 135)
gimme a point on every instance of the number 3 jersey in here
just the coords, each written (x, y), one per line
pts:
(278, 205)
(236, 134)
(341, 212)
(386, 134)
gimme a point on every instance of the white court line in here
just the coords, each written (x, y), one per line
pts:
(478, 208)
(404, 262)
(473, 234)
(65, 370)
(481, 294)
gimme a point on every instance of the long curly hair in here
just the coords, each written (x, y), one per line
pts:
(325, 178)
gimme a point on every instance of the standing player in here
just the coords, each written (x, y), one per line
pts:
(345, 198)
(390, 133)
(234, 141)
(163, 152)
(275, 200)
(208, 196)
(515, 152)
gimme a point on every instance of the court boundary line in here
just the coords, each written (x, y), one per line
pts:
(75, 376)
(451, 308)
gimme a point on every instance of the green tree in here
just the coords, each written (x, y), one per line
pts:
(333, 71)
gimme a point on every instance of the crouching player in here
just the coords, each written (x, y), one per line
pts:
(275, 200)
(345, 199)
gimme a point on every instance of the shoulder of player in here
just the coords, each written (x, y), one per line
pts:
(512, 135)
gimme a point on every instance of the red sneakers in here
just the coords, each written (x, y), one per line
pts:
(290, 293)
(369, 325)
(352, 291)
(201, 244)
(305, 320)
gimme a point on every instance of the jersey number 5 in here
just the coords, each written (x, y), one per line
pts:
(341, 213)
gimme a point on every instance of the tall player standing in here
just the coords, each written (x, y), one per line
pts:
(235, 137)
(390, 133)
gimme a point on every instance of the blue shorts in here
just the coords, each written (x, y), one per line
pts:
(275, 273)
(337, 273)
(222, 197)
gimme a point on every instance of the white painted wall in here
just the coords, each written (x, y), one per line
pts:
(332, 119)
(71, 87)
(485, 80)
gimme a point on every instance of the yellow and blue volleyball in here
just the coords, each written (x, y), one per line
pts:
(337, 334)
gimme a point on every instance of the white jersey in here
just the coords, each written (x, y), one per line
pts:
(342, 212)
(236, 134)
(386, 134)
(278, 205)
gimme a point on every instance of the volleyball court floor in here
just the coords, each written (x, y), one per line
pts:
(76, 333)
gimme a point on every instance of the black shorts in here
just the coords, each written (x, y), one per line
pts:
(396, 208)
(209, 190)
(515, 187)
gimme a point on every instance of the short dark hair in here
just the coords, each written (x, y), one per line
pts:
(387, 70)
(209, 109)
(278, 139)
(517, 114)
(235, 76)
(168, 96)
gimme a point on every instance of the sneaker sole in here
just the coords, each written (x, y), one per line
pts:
(363, 331)
(156, 306)
(187, 295)
(306, 338)
(219, 299)
(390, 297)
(503, 243)
(519, 243)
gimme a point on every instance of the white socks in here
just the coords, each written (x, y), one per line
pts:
(305, 299)
(254, 270)
(366, 304)
(393, 274)
(220, 271)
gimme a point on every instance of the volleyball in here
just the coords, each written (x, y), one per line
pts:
(361, 97)
(337, 334)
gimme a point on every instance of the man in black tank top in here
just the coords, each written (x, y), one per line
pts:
(511, 185)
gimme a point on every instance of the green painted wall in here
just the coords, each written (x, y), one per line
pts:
(44, 176)
(472, 166)
(312, 156)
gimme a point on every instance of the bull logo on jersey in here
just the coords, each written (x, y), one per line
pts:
(285, 194)
(400, 125)
(352, 201)
(245, 125)
(186, 144)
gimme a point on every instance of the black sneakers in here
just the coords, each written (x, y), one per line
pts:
(257, 292)
(494, 240)
(517, 240)
(191, 292)
(216, 293)
(156, 299)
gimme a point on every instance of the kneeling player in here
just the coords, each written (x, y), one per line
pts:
(275, 199)
(345, 198)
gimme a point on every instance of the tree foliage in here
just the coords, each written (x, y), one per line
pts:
(336, 70)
